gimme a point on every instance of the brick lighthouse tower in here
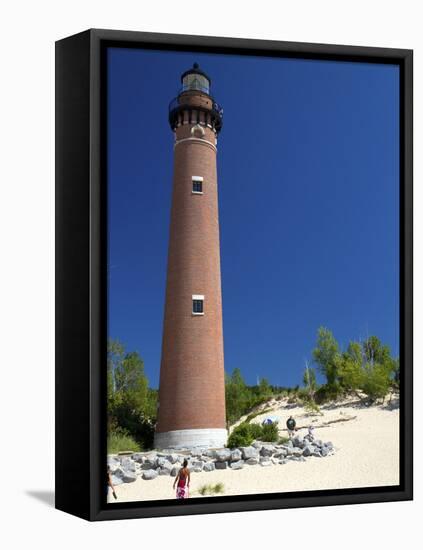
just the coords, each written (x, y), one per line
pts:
(191, 409)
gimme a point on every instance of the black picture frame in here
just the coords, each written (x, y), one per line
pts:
(81, 284)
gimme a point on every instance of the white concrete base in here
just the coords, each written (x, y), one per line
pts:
(178, 439)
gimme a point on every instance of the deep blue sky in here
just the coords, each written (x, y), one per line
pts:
(308, 169)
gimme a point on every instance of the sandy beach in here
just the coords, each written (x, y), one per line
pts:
(366, 440)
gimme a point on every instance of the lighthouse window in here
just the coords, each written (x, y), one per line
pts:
(197, 185)
(198, 305)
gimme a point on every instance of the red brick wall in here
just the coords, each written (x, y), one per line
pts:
(191, 394)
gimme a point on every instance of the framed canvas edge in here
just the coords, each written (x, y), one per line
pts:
(98, 38)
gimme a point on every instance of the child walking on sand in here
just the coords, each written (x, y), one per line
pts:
(182, 481)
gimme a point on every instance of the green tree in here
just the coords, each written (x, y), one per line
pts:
(131, 403)
(236, 395)
(326, 355)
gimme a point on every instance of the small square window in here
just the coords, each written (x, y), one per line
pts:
(197, 186)
(198, 306)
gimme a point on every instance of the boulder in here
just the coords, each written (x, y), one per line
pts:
(329, 445)
(220, 465)
(264, 461)
(113, 461)
(308, 450)
(172, 458)
(238, 465)
(197, 466)
(297, 451)
(316, 452)
(283, 461)
(138, 457)
(257, 444)
(174, 471)
(267, 450)
(281, 453)
(128, 464)
(163, 471)
(129, 476)
(117, 480)
(252, 461)
(149, 464)
(317, 442)
(236, 455)
(149, 474)
(209, 467)
(223, 455)
(161, 461)
(298, 441)
(324, 451)
(249, 452)
(210, 453)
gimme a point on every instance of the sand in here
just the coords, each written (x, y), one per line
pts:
(367, 455)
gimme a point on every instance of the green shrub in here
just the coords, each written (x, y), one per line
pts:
(283, 440)
(119, 440)
(241, 436)
(211, 489)
(244, 434)
(270, 432)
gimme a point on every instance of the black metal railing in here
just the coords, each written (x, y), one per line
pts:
(178, 106)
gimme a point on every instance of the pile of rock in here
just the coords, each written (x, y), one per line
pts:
(149, 465)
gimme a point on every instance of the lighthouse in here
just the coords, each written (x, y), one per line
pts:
(191, 405)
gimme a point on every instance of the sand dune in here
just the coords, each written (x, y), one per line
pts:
(367, 454)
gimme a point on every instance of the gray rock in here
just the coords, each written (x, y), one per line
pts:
(128, 476)
(267, 450)
(274, 460)
(298, 441)
(318, 442)
(223, 455)
(197, 453)
(149, 465)
(257, 444)
(236, 455)
(117, 480)
(172, 458)
(324, 451)
(174, 471)
(128, 464)
(238, 465)
(329, 445)
(161, 461)
(252, 461)
(209, 467)
(197, 466)
(138, 457)
(308, 450)
(249, 452)
(283, 461)
(289, 443)
(316, 452)
(281, 453)
(264, 461)
(164, 471)
(297, 451)
(210, 453)
(220, 465)
(149, 474)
